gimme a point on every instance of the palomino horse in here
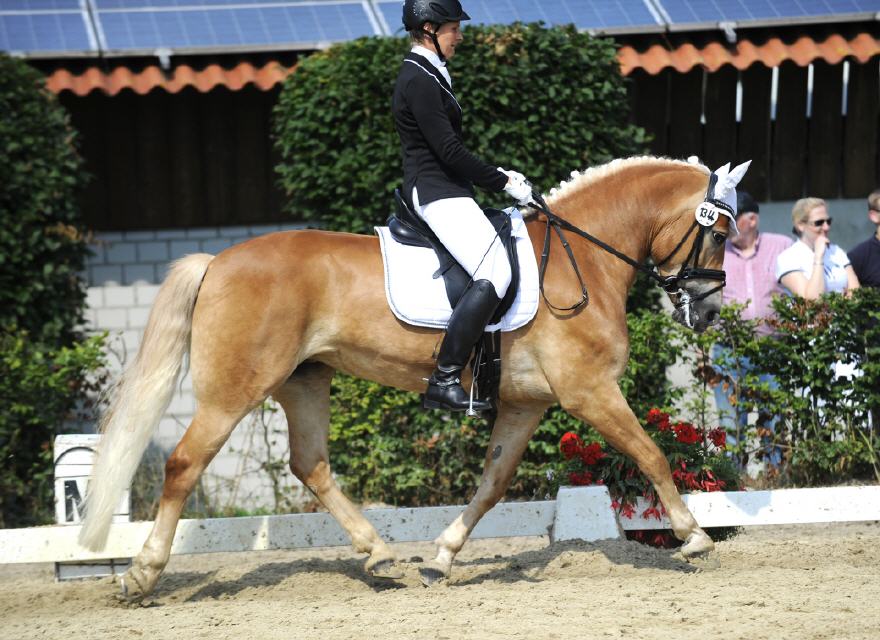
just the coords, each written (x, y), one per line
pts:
(279, 314)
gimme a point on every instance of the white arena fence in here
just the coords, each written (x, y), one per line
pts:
(578, 513)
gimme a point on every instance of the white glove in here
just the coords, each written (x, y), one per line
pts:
(517, 186)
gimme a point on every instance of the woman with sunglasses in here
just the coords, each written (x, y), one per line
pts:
(814, 265)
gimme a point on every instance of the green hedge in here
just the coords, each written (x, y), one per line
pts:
(43, 361)
(42, 249)
(823, 420)
(538, 100)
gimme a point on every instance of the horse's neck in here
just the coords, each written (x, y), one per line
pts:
(617, 217)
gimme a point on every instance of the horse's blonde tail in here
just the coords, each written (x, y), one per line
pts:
(141, 396)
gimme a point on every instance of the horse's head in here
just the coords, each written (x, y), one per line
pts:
(689, 248)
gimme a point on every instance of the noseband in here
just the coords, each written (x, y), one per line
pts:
(672, 284)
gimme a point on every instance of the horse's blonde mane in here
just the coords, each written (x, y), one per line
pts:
(581, 179)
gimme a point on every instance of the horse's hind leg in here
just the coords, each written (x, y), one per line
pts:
(607, 410)
(305, 398)
(513, 428)
(206, 434)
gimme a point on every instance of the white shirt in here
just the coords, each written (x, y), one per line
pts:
(799, 257)
(434, 59)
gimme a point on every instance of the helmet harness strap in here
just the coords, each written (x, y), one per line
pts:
(433, 36)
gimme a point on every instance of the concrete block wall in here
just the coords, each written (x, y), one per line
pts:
(124, 277)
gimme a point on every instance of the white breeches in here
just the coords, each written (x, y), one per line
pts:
(467, 234)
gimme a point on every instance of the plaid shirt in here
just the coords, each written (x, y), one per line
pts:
(753, 279)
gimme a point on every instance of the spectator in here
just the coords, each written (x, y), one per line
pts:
(865, 256)
(812, 265)
(750, 263)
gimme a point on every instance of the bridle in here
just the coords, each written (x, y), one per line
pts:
(672, 284)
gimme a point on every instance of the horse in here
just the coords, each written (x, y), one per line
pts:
(277, 315)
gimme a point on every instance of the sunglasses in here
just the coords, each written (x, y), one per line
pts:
(818, 223)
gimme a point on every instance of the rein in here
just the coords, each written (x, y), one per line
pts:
(670, 284)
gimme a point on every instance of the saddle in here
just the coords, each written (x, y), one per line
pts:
(408, 228)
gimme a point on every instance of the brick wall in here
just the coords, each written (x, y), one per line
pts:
(124, 276)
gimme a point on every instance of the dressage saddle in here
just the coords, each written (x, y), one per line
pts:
(408, 228)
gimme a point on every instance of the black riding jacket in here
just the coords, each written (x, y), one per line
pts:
(428, 120)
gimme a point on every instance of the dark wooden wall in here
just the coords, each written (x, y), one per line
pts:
(177, 160)
(828, 155)
(191, 159)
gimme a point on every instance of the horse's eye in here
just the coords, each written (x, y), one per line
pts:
(719, 237)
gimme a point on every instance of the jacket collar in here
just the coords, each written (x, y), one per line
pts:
(423, 62)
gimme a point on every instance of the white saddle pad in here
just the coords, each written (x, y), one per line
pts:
(417, 298)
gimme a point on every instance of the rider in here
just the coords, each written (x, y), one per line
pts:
(438, 177)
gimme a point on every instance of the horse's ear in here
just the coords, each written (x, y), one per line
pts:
(737, 173)
(721, 174)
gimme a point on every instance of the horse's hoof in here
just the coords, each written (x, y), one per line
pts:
(387, 569)
(431, 576)
(708, 561)
(697, 544)
(126, 595)
(131, 590)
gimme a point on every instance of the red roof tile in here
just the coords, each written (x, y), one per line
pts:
(654, 59)
(713, 56)
(152, 77)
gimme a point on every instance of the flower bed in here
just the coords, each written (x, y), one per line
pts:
(696, 458)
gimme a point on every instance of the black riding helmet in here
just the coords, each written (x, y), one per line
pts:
(437, 12)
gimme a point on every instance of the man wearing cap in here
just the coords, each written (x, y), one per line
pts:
(750, 264)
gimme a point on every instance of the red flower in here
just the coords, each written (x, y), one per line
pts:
(592, 453)
(659, 419)
(627, 510)
(685, 479)
(580, 479)
(686, 433)
(711, 483)
(718, 437)
(651, 512)
(570, 445)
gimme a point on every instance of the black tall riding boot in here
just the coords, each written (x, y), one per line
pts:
(466, 325)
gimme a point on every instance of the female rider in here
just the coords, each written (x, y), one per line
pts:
(438, 178)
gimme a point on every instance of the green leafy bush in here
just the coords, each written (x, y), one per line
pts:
(823, 419)
(39, 388)
(538, 100)
(42, 249)
(43, 362)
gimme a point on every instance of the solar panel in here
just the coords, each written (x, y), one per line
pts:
(610, 16)
(688, 14)
(142, 26)
(42, 28)
(39, 5)
(178, 4)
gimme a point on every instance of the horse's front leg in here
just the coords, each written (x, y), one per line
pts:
(607, 411)
(510, 435)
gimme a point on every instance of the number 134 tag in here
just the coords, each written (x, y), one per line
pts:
(707, 214)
